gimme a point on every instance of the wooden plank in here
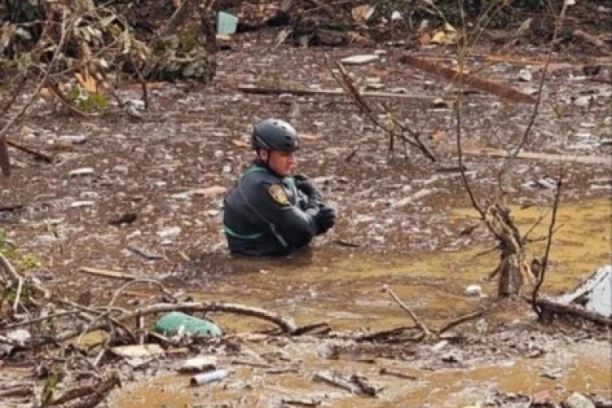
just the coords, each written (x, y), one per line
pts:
(473, 81)
(567, 158)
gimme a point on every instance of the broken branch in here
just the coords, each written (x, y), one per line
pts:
(551, 229)
(39, 155)
(407, 310)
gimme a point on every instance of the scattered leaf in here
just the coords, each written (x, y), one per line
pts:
(363, 13)
(240, 143)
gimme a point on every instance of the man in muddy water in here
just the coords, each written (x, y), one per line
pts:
(271, 212)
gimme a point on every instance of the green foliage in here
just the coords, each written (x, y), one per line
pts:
(87, 100)
(23, 261)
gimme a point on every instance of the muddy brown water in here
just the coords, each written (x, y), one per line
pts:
(345, 291)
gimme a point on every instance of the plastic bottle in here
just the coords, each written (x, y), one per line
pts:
(209, 377)
(172, 322)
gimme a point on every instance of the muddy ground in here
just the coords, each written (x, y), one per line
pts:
(172, 166)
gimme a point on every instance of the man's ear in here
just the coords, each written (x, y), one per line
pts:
(263, 154)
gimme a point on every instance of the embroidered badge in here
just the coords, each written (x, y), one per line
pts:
(278, 194)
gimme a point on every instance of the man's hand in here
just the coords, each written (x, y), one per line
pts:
(305, 185)
(325, 219)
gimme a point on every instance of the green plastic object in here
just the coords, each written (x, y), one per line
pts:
(171, 323)
(226, 23)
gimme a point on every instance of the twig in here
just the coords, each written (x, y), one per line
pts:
(551, 228)
(38, 319)
(386, 371)
(18, 295)
(152, 281)
(461, 319)
(379, 335)
(534, 226)
(407, 310)
(9, 268)
(462, 168)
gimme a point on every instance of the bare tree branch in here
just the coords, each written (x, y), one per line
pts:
(551, 229)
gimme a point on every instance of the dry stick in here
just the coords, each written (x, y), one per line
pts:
(18, 295)
(407, 310)
(464, 178)
(39, 319)
(40, 85)
(152, 281)
(551, 227)
(460, 320)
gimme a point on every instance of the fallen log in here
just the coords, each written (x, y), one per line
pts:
(473, 81)
(261, 90)
(540, 156)
(549, 305)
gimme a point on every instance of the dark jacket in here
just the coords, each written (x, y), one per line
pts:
(265, 214)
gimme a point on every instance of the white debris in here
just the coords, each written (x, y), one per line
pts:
(595, 292)
(360, 59)
(473, 290)
(81, 204)
(169, 232)
(525, 75)
(83, 171)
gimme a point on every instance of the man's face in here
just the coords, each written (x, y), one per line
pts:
(279, 161)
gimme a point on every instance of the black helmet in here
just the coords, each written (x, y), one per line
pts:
(275, 134)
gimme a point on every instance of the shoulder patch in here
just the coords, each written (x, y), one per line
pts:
(278, 194)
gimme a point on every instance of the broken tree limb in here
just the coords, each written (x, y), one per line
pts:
(596, 160)
(286, 325)
(549, 305)
(461, 319)
(37, 154)
(407, 310)
(254, 89)
(473, 81)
